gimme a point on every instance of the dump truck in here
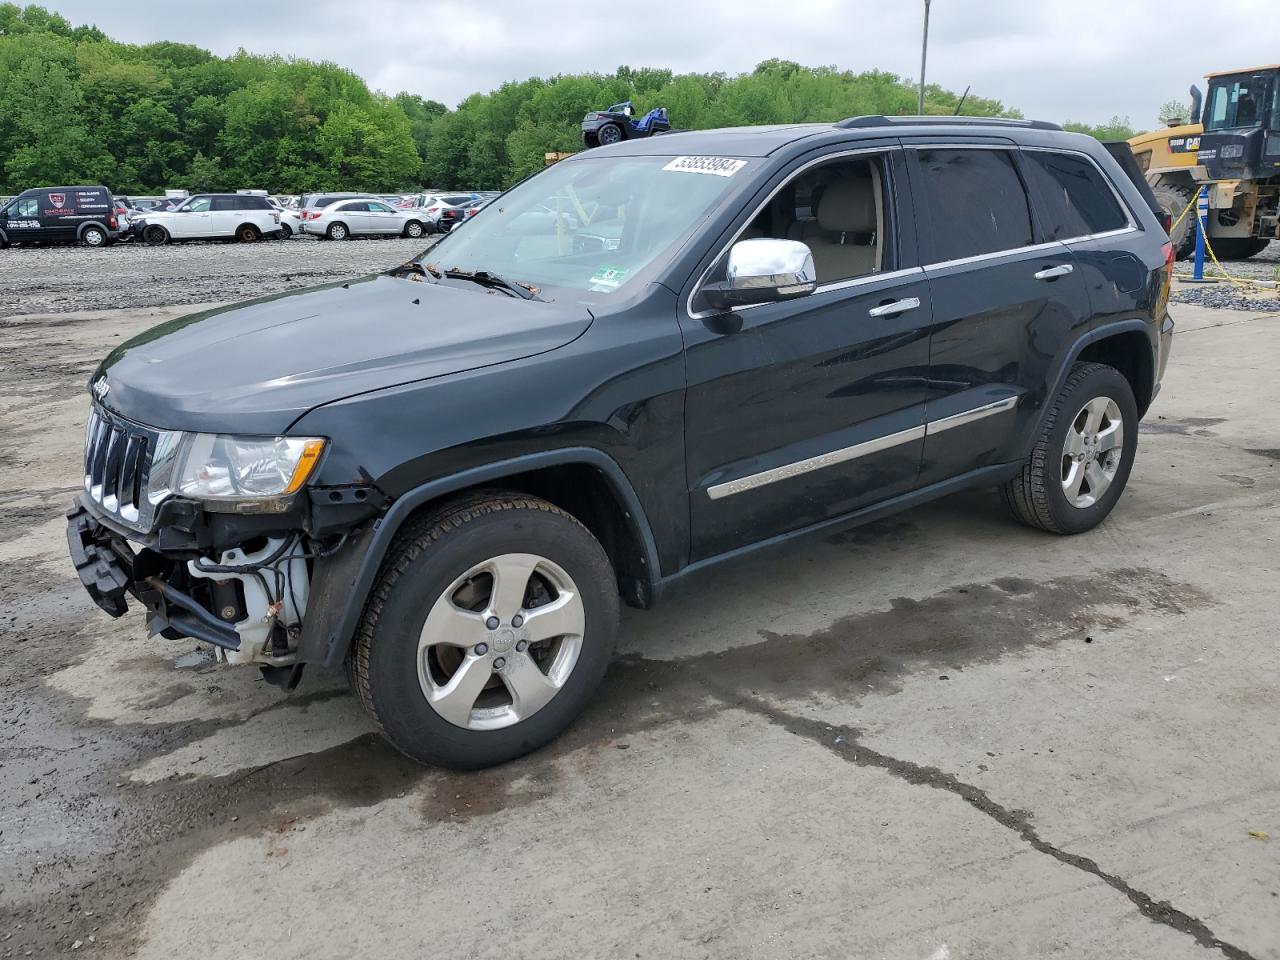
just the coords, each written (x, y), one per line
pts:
(1232, 146)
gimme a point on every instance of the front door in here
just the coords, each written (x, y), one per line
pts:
(804, 410)
(382, 219)
(192, 219)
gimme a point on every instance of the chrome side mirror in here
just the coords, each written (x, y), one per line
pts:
(763, 270)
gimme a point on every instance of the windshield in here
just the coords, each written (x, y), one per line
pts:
(1237, 102)
(590, 224)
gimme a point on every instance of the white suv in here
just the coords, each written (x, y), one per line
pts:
(364, 216)
(212, 216)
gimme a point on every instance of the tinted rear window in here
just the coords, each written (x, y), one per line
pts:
(976, 201)
(1071, 196)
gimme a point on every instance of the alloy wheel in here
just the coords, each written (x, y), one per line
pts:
(1092, 452)
(501, 641)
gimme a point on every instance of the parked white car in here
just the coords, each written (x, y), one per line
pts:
(364, 216)
(212, 216)
(290, 220)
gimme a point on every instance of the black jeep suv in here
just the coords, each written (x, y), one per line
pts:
(642, 361)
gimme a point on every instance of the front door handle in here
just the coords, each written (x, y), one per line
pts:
(895, 306)
(1050, 273)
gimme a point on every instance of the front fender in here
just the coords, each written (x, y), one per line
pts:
(341, 584)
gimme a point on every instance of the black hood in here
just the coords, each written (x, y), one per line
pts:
(256, 367)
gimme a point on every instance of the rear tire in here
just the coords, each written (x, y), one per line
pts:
(248, 233)
(286, 232)
(1237, 248)
(497, 691)
(338, 231)
(93, 237)
(1173, 199)
(1078, 468)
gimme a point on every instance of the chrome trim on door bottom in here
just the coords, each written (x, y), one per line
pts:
(969, 416)
(786, 472)
(844, 454)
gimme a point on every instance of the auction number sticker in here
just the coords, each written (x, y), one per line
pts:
(716, 166)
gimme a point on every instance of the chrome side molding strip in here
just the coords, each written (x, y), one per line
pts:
(799, 467)
(969, 416)
(787, 471)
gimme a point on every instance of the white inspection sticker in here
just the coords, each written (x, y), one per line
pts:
(716, 166)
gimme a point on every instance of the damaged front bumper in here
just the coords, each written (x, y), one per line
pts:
(249, 604)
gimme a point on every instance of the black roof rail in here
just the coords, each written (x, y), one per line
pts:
(935, 120)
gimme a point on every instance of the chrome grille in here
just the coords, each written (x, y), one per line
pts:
(127, 467)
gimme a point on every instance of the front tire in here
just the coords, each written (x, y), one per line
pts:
(609, 133)
(490, 627)
(155, 235)
(413, 229)
(1081, 462)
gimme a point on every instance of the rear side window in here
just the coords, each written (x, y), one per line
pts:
(224, 203)
(1071, 196)
(976, 201)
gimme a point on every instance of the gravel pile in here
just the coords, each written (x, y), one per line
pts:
(1225, 296)
(59, 279)
(1261, 266)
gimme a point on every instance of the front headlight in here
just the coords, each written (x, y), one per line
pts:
(230, 469)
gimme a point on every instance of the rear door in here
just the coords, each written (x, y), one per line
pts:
(1076, 204)
(1004, 302)
(224, 216)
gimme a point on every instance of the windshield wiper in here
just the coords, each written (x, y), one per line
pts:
(492, 280)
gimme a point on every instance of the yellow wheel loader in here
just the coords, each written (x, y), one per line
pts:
(1233, 147)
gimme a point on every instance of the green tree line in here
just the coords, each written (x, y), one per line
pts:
(79, 107)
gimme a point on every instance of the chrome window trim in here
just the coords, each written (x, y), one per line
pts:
(994, 255)
(798, 468)
(825, 158)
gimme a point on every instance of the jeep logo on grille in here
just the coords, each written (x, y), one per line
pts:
(100, 387)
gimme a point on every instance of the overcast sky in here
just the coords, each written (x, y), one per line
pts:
(1083, 60)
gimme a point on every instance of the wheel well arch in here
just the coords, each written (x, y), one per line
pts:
(1130, 353)
(583, 481)
(247, 223)
(91, 223)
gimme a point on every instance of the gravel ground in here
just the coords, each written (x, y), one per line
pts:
(938, 736)
(1262, 266)
(60, 279)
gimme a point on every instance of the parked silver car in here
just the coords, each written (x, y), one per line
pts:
(364, 217)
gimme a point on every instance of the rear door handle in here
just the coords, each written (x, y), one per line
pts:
(1049, 273)
(897, 306)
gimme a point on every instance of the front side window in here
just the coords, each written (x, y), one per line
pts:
(976, 201)
(1071, 196)
(837, 209)
(197, 205)
(590, 224)
(1237, 103)
(30, 207)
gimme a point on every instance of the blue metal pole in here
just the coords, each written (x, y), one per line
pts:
(1202, 212)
